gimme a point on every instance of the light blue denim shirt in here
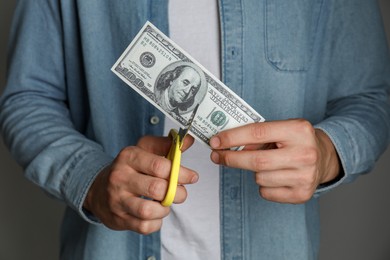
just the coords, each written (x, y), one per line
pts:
(65, 115)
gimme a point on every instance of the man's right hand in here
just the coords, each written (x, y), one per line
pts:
(126, 195)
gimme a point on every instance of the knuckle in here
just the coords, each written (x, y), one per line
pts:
(228, 158)
(114, 178)
(259, 131)
(148, 226)
(306, 179)
(260, 162)
(157, 166)
(226, 139)
(224, 158)
(125, 151)
(308, 155)
(302, 195)
(128, 154)
(144, 228)
(305, 126)
(145, 211)
(155, 188)
(311, 155)
(112, 190)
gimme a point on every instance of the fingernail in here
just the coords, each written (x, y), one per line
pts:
(215, 142)
(195, 178)
(215, 157)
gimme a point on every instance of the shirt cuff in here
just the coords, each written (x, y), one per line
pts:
(82, 176)
(335, 135)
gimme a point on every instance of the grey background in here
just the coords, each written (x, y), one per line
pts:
(355, 217)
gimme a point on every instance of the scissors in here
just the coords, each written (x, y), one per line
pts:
(175, 156)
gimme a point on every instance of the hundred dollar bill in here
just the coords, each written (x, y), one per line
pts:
(174, 82)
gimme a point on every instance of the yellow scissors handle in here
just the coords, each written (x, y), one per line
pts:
(175, 156)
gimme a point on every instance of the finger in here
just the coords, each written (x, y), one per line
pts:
(262, 133)
(273, 179)
(285, 178)
(155, 188)
(256, 161)
(144, 209)
(155, 144)
(285, 195)
(187, 142)
(134, 214)
(140, 226)
(154, 165)
(145, 227)
(288, 157)
(160, 145)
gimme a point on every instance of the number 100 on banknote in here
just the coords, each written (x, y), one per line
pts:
(175, 83)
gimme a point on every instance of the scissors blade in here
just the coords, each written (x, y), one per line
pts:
(183, 131)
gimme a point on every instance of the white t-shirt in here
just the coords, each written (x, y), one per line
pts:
(191, 231)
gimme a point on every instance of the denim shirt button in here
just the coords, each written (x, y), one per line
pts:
(154, 120)
(151, 258)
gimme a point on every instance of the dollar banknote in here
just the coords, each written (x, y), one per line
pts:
(175, 83)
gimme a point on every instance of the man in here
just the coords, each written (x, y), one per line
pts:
(93, 143)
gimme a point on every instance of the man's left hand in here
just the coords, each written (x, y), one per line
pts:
(290, 158)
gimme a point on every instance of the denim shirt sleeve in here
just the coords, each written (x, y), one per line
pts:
(35, 122)
(358, 112)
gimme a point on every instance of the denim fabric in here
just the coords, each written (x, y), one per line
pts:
(65, 115)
